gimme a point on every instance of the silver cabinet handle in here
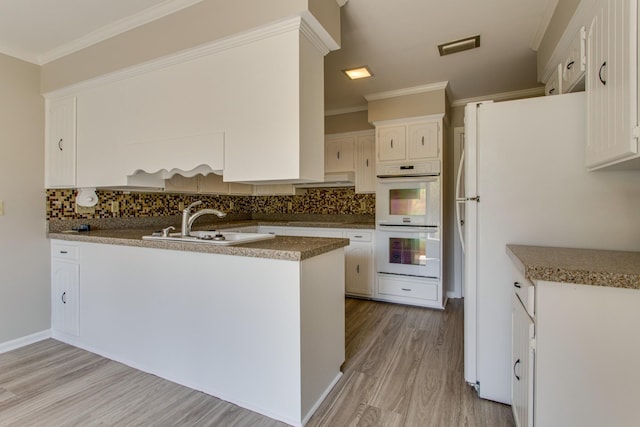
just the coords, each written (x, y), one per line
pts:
(406, 289)
(60, 144)
(64, 297)
(367, 161)
(391, 142)
(358, 269)
(338, 155)
(423, 140)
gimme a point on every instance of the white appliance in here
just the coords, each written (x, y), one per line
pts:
(526, 183)
(408, 234)
(409, 200)
(408, 250)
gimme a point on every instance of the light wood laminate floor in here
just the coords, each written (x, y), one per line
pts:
(404, 367)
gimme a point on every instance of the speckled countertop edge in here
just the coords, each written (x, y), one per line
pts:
(618, 269)
(290, 248)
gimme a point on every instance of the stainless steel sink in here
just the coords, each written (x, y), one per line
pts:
(213, 237)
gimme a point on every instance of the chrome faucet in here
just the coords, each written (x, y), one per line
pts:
(188, 219)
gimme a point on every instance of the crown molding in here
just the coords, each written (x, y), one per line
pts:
(20, 54)
(316, 34)
(256, 34)
(503, 96)
(347, 110)
(545, 19)
(407, 91)
(143, 17)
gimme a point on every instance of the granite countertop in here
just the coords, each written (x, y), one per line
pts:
(618, 269)
(281, 247)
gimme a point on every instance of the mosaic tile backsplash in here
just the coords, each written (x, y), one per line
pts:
(316, 201)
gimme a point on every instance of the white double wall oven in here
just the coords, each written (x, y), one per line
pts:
(408, 234)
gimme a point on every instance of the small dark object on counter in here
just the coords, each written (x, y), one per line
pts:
(83, 227)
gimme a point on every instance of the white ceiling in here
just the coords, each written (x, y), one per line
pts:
(397, 38)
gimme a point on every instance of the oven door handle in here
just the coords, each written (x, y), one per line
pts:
(409, 228)
(427, 177)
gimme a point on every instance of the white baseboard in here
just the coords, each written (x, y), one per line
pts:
(24, 341)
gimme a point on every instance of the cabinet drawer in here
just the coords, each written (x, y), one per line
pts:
(408, 289)
(525, 291)
(62, 251)
(359, 236)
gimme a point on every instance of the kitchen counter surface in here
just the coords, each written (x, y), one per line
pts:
(281, 247)
(618, 269)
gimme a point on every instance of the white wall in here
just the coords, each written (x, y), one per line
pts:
(24, 260)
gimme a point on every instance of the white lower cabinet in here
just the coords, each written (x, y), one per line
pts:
(358, 255)
(522, 360)
(574, 355)
(409, 290)
(359, 263)
(65, 289)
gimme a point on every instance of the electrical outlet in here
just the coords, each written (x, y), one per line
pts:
(1, 207)
(85, 210)
(289, 206)
(181, 206)
(363, 205)
(231, 204)
(115, 207)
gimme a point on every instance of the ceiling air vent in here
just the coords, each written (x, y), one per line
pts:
(459, 45)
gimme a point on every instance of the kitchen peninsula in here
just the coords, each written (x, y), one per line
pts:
(259, 324)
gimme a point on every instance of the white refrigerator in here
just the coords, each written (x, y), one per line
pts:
(525, 183)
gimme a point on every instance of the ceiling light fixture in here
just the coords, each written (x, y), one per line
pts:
(358, 73)
(459, 45)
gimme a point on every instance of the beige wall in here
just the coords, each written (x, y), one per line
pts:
(414, 105)
(24, 249)
(559, 21)
(198, 24)
(348, 122)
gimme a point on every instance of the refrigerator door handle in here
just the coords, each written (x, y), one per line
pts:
(459, 201)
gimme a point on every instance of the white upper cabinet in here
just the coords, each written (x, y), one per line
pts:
(339, 154)
(554, 84)
(365, 163)
(203, 111)
(612, 86)
(575, 64)
(60, 143)
(424, 140)
(392, 143)
(415, 140)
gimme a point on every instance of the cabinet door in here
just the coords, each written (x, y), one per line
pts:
(240, 189)
(575, 65)
(65, 287)
(424, 141)
(61, 143)
(339, 155)
(522, 382)
(392, 142)
(181, 184)
(273, 189)
(554, 84)
(213, 183)
(358, 258)
(365, 165)
(612, 91)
